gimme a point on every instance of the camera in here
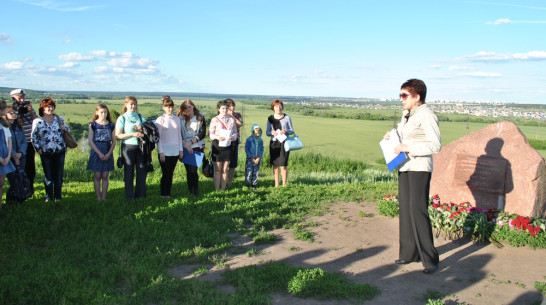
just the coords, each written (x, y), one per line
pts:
(21, 108)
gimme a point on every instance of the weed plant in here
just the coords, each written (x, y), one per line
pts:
(302, 282)
(80, 251)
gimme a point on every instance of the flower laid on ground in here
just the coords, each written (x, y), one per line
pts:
(448, 218)
(516, 222)
(454, 221)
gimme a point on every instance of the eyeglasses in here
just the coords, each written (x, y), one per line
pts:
(12, 112)
(404, 95)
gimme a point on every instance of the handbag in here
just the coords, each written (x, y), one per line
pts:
(119, 162)
(20, 190)
(293, 143)
(67, 136)
(208, 167)
(69, 140)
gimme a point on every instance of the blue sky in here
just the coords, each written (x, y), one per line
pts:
(469, 50)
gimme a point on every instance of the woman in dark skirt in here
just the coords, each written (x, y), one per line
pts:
(222, 131)
(279, 125)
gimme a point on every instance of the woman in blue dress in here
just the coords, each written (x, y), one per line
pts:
(101, 141)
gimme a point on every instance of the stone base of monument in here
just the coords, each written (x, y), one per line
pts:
(492, 168)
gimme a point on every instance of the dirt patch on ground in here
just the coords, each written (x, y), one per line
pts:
(364, 248)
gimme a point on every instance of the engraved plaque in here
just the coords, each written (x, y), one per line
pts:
(482, 174)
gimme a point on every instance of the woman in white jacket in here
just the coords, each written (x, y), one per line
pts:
(420, 139)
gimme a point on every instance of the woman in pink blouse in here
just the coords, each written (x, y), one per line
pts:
(222, 131)
(169, 147)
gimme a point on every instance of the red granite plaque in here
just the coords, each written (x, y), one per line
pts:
(481, 174)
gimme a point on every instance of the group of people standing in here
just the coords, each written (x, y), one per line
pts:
(181, 131)
(24, 132)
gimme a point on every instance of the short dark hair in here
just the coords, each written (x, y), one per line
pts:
(231, 102)
(167, 101)
(275, 103)
(222, 103)
(416, 86)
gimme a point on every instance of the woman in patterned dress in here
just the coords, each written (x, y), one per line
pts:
(101, 140)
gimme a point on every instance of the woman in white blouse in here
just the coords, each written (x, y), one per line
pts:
(169, 147)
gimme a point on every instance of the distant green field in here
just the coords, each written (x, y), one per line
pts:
(341, 138)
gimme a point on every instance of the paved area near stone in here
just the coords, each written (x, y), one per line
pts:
(364, 248)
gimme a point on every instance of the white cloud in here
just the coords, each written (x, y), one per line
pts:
(75, 57)
(94, 70)
(458, 68)
(496, 57)
(98, 53)
(500, 21)
(5, 38)
(63, 6)
(100, 69)
(435, 66)
(508, 21)
(127, 62)
(69, 64)
(14, 65)
(482, 74)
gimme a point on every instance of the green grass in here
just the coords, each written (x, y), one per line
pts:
(348, 139)
(80, 251)
(257, 282)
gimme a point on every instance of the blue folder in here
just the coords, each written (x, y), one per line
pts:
(397, 161)
(195, 159)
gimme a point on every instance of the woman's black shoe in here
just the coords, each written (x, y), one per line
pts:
(403, 262)
(430, 270)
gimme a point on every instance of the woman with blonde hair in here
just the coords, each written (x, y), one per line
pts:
(129, 131)
(194, 130)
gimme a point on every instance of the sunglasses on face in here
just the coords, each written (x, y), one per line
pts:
(12, 112)
(404, 95)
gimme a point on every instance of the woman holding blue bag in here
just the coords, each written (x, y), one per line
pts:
(279, 126)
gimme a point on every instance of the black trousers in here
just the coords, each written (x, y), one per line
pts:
(133, 158)
(192, 176)
(30, 165)
(416, 240)
(53, 165)
(167, 170)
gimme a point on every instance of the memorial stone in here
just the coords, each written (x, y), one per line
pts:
(492, 168)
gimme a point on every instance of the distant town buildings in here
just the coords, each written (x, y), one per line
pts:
(473, 108)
